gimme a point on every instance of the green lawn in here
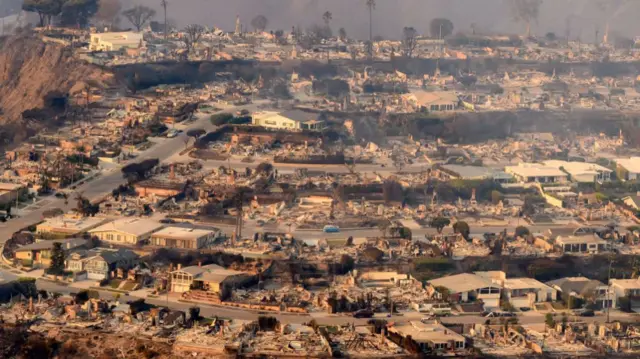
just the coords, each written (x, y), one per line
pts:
(115, 283)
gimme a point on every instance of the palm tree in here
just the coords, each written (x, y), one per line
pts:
(327, 17)
(164, 6)
(371, 4)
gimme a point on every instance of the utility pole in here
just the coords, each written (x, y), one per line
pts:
(609, 291)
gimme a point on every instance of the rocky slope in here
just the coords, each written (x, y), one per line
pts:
(29, 70)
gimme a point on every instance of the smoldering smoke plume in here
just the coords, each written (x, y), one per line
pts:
(391, 16)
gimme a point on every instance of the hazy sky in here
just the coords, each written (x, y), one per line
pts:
(391, 16)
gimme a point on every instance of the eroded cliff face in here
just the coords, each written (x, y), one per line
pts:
(30, 69)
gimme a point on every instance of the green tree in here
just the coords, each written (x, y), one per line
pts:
(440, 28)
(444, 292)
(57, 259)
(78, 12)
(221, 119)
(462, 228)
(46, 9)
(439, 223)
(496, 197)
(139, 15)
(549, 321)
(522, 231)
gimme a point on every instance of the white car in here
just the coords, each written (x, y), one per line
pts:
(172, 133)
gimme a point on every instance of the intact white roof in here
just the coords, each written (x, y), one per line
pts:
(182, 233)
(464, 282)
(534, 170)
(580, 239)
(134, 226)
(576, 168)
(523, 283)
(631, 164)
(626, 283)
(65, 224)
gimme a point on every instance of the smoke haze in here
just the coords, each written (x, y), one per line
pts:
(391, 16)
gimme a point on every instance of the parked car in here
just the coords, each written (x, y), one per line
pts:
(499, 314)
(173, 133)
(585, 313)
(363, 313)
(331, 229)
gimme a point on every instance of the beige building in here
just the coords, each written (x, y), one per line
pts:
(535, 172)
(294, 120)
(183, 238)
(38, 254)
(437, 101)
(431, 336)
(115, 41)
(67, 226)
(128, 231)
(210, 278)
(10, 192)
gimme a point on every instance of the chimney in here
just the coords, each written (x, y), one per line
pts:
(199, 264)
(179, 266)
(172, 173)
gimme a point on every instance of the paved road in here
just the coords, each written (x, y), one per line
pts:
(333, 319)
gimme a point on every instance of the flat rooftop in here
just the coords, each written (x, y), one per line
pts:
(134, 226)
(173, 232)
(534, 170)
(70, 225)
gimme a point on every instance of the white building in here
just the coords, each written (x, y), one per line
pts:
(582, 171)
(115, 41)
(288, 120)
(521, 292)
(590, 244)
(629, 288)
(431, 336)
(126, 231)
(535, 172)
(436, 101)
(630, 166)
(468, 287)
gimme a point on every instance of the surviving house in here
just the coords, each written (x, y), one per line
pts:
(436, 101)
(103, 264)
(115, 41)
(535, 172)
(10, 192)
(210, 278)
(126, 231)
(589, 244)
(586, 289)
(430, 336)
(66, 227)
(289, 120)
(38, 254)
(582, 171)
(628, 288)
(521, 292)
(469, 287)
(525, 292)
(628, 168)
(183, 238)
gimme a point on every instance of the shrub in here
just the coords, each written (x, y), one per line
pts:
(221, 118)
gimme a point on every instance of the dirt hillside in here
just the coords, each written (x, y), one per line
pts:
(29, 70)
